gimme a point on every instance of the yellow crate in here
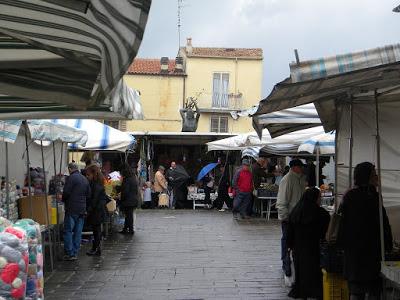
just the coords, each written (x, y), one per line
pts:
(335, 286)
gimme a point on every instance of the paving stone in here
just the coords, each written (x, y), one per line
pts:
(178, 255)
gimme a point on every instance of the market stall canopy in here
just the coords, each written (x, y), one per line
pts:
(68, 56)
(100, 137)
(353, 76)
(288, 142)
(288, 120)
(325, 142)
(43, 131)
(253, 152)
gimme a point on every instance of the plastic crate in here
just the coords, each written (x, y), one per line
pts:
(334, 286)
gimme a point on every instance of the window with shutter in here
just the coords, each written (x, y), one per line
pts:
(219, 124)
(220, 97)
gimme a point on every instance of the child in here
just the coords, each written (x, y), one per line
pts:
(147, 200)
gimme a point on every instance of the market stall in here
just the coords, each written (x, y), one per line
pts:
(358, 95)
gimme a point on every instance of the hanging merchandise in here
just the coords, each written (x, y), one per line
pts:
(9, 208)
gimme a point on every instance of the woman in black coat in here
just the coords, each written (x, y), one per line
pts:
(360, 234)
(308, 223)
(129, 199)
(95, 206)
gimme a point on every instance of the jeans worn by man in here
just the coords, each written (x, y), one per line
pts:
(76, 193)
(241, 203)
(73, 225)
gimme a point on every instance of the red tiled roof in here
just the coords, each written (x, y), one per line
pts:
(256, 53)
(150, 66)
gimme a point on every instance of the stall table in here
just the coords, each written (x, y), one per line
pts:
(198, 199)
(271, 201)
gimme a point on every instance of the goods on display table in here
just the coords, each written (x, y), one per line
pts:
(198, 196)
(267, 190)
(12, 206)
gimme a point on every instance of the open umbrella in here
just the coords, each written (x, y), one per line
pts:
(206, 170)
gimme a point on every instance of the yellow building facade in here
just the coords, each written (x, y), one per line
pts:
(222, 80)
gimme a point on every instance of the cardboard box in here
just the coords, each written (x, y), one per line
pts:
(38, 209)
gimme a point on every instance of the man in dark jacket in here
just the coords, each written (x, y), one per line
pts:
(75, 195)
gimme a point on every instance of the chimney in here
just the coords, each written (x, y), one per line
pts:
(178, 64)
(189, 47)
(164, 64)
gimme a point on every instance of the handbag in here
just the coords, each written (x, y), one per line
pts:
(333, 232)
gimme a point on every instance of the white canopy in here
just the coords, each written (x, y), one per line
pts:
(100, 136)
(287, 142)
(43, 131)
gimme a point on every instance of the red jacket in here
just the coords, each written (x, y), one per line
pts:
(243, 181)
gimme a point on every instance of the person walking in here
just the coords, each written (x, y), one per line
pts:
(96, 213)
(291, 190)
(360, 234)
(308, 223)
(75, 196)
(160, 184)
(208, 185)
(243, 185)
(128, 201)
(223, 193)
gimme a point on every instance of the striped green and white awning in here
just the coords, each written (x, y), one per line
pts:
(68, 56)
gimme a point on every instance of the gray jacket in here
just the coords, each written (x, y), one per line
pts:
(76, 193)
(291, 189)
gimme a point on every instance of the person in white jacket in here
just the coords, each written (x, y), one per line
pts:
(291, 189)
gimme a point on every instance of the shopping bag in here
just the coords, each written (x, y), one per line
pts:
(111, 206)
(163, 200)
(333, 232)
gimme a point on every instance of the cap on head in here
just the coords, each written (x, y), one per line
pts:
(246, 162)
(161, 168)
(296, 163)
(72, 166)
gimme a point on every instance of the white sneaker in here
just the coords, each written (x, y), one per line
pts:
(222, 210)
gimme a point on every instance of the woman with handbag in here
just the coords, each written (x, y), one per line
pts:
(359, 234)
(95, 206)
(308, 223)
(128, 201)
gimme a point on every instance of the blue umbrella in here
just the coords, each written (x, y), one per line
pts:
(206, 170)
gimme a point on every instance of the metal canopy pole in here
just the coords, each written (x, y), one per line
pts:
(378, 162)
(317, 168)
(58, 239)
(7, 184)
(28, 163)
(351, 145)
(336, 155)
(47, 208)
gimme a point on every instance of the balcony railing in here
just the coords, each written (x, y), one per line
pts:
(221, 102)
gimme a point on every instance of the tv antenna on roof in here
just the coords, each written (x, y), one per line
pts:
(180, 6)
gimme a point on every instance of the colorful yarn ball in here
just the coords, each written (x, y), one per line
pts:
(18, 232)
(3, 262)
(39, 259)
(18, 293)
(9, 273)
(17, 283)
(11, 254)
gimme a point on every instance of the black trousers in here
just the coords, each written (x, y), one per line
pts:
(128, 212)
(96, 236)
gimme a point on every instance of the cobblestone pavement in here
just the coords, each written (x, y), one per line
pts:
(178, 255)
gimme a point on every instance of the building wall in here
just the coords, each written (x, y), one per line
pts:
(245, 76)
(161, 97)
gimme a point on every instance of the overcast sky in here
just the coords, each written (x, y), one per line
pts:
(316, 28)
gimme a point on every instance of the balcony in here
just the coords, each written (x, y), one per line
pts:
(223, 103)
